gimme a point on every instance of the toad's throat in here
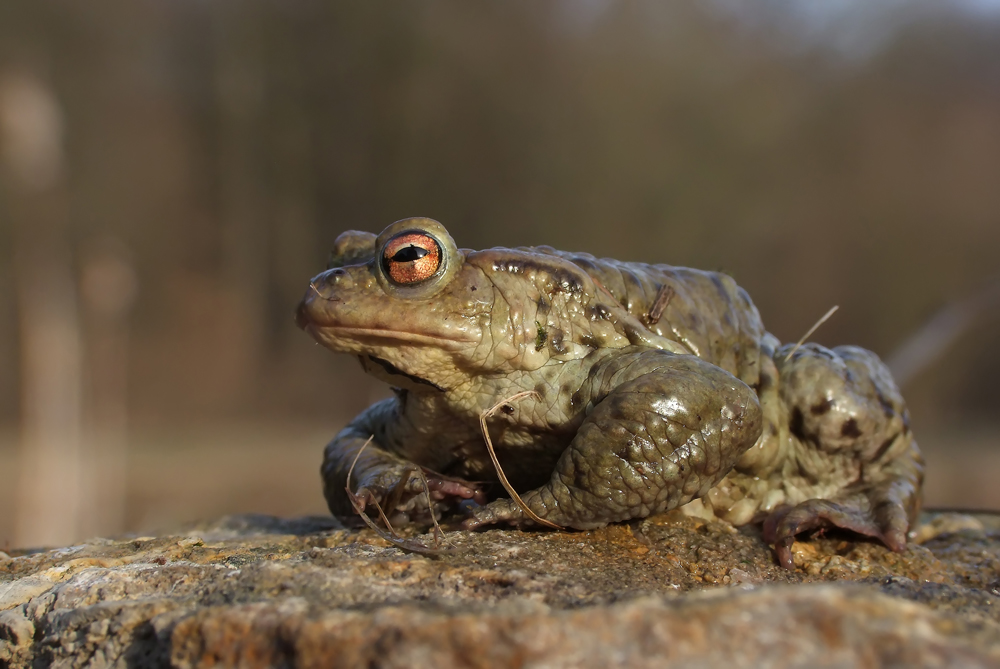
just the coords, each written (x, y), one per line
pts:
(396, 371)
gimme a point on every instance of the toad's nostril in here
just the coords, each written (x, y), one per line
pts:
(332, 275)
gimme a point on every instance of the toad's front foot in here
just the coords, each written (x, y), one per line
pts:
(361, 476)
(403, 495)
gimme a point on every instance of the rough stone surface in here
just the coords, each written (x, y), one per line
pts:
(260, 591)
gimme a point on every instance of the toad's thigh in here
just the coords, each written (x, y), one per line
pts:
(841, 400)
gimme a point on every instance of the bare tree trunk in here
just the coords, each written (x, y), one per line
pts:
(295, 247)
(239, 78)
(109, 287)
(49, 491)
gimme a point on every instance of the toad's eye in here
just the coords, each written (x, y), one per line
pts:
(411, 257)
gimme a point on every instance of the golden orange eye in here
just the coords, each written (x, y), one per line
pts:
(411, 257)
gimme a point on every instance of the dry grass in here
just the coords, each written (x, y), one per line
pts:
(496, 463)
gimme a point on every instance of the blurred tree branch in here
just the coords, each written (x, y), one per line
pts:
(924, 347)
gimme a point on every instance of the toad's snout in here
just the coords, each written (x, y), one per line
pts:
(319, 294)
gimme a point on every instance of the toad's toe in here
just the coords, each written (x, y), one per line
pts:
(497, 511)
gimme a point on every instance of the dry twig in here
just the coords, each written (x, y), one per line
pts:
(438, 532)
(811, 330)
(926, 345)
(496, 463)
(321, 295)
(660, 302)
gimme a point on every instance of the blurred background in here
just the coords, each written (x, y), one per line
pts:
(172, 173)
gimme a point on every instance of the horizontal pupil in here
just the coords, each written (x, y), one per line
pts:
(409, 254)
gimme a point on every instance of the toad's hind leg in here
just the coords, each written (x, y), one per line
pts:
(671, 427)
(846, 411)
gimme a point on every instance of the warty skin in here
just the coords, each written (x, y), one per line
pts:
(654, 387)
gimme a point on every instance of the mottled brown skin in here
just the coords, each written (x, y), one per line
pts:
(656, 387)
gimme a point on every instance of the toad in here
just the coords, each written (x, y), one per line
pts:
(641, 388)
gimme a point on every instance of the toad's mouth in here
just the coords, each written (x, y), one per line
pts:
(331, 333)
(326, 329)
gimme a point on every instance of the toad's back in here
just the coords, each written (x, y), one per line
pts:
(706, 312)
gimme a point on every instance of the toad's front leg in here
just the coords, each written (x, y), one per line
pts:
(380, 478)
(663, 430)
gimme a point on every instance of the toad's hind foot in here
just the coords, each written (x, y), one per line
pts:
(847, 414)
(880, 519)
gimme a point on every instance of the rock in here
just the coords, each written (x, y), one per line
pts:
(791, 626)
(260, 591)
(16, 633)
(23, 590)
(947, 523)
